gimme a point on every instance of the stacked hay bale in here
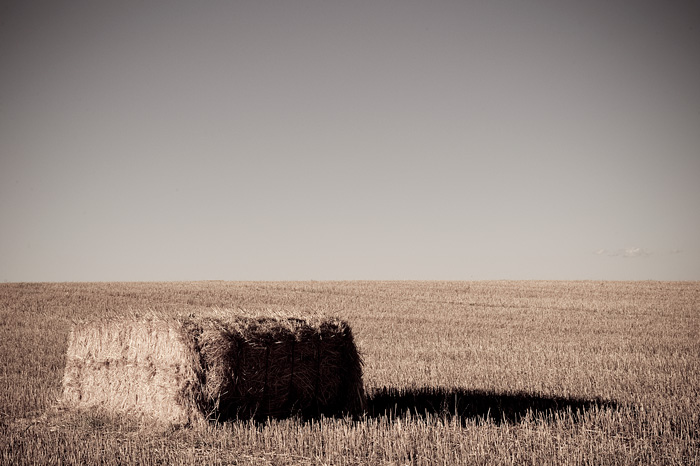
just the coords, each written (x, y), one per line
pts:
(181, 370)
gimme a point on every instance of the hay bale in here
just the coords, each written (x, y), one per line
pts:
(187, 369)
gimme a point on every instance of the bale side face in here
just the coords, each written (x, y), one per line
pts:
(259, 368)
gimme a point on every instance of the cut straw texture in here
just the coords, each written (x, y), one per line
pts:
(183, 370)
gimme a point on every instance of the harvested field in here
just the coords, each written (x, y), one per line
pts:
(495, 372)
(184, 370)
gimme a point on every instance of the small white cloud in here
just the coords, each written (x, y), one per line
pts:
(635, 252)
(631, 251)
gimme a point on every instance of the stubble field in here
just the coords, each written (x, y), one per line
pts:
(491, 372)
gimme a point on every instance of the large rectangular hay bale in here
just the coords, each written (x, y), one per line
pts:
(179, 370)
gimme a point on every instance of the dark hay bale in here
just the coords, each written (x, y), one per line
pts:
(269, 367)
(222, 367)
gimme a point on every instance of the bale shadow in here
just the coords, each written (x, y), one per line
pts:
(475, 405)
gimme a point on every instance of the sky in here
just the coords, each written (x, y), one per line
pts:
(349, 140)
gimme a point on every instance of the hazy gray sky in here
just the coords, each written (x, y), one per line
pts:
(381, 139)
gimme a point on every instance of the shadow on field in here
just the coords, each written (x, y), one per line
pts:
(475, 405)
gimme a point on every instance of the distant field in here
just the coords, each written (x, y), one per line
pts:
(456, 372)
